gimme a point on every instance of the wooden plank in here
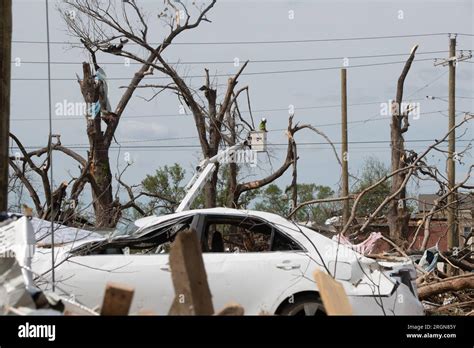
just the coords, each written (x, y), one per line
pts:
(231, 309)
(192, 293)
(332, 293)
(117, 299)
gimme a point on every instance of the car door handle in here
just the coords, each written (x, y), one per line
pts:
(288, 266)
(165, 267)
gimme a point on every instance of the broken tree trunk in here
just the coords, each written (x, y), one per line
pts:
(398, 215)
(192, 293)
(57, 197)
(106, 209)
(462, 264)
(448, 284)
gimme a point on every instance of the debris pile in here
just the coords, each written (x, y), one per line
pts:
(447, 296)
(18, 293)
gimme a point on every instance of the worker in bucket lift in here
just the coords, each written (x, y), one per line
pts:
(263, 125)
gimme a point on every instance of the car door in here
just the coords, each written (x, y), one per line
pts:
(85, 278)
(254, 280)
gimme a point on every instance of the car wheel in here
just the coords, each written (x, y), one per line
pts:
(304, 306)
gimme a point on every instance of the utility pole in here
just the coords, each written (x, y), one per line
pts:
(53, 287)
(451, 61)
(345, 159)
(5, 73)
(453, 238)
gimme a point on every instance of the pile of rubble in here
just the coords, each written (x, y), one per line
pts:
(18, 293)
(447, 296)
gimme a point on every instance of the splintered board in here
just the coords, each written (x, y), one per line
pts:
(332, 293)
(117, 299)
(193, 296)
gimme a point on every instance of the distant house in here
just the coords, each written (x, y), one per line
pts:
(439, 226)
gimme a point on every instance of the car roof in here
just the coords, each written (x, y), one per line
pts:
(154, 220)
(286, 226)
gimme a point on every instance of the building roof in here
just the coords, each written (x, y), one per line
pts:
(426, 201)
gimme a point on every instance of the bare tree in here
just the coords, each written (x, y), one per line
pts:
(24, 165)
(218, 122)
(414, 166)
(398, 215)
(289, 159)
(98, 25)
(104, 28)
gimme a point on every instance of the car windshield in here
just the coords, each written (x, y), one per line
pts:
(177, 223)
(153, 239)
(124, 228)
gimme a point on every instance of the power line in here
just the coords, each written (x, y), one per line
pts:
(412, 94)
(279, 130)
(363, 149)
(314, 107)
(360, 38)
(271, 130)
(130, 147)
(256, 61)
(230, 75)
(428, 84)
(322, 147)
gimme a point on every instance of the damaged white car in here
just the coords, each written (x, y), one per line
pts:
(259, 260)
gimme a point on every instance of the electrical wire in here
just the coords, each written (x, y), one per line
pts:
(194, 43)
(251, 61)
(310, 107)
(255, 73)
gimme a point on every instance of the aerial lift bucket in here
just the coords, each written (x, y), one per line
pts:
(258, 141)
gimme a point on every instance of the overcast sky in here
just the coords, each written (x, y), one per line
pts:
(315, 93)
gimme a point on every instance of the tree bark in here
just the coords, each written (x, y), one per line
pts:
(398, 215)
(233, 169)
(448, 284)
(294, 181)
(106, 210)
(252, 185)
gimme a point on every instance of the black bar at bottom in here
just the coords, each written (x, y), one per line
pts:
(164, 330)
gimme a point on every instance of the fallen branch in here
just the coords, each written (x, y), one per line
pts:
(453, 305)
(317, 201)
(462, 264)
(448, 284)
